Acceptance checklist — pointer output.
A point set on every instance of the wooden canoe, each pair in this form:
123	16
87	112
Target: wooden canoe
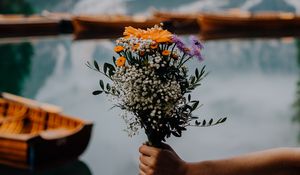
219	26
180	23
33	135
97	27
25	26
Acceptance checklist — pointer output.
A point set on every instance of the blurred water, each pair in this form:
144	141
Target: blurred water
252	82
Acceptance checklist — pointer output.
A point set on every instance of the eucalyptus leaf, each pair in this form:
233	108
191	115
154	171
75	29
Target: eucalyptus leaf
197	73
203	122
101	84
108	87
195	105
97	92
96	65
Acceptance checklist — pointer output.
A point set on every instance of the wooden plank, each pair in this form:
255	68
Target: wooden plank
13	144
31	103
12	151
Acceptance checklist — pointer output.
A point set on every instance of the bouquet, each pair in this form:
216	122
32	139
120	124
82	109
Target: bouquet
151	84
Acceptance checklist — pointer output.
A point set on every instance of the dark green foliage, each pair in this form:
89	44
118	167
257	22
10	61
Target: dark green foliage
14	66
15	7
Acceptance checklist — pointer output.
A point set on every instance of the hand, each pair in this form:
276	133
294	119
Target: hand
155	161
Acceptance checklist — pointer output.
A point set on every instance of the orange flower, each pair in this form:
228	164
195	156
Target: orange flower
153	45
156	34
120	61
174	56
160	35
118	49
142	53
130	31
135	46
166	53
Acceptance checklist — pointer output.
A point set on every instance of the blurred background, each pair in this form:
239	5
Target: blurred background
253	82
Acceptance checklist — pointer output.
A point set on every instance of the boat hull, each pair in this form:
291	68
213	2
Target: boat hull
222	26
33	136
102	27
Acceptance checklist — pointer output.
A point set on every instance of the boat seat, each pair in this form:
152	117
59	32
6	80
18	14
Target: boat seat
16	109
60	121
13	125
37	119
55	133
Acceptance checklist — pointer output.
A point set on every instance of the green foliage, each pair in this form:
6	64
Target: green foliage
15	7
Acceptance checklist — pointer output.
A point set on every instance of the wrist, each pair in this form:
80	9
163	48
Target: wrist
185	168
199	168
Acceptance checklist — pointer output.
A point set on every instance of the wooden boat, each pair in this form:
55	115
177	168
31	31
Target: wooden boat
180	23
24	26
92	27
247	25
34	135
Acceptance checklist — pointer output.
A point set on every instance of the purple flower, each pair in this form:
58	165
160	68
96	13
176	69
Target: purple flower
179	43
195	42
197	53
196	47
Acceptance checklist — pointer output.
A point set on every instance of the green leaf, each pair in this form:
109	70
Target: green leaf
111	68
176	134
223	120
192	78
88	63
197	73
101	84
114	60
203	123
105	68
195	105
202	71
97	92
96	65
194	117
108	87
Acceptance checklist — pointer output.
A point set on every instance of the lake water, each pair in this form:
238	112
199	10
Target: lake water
252	82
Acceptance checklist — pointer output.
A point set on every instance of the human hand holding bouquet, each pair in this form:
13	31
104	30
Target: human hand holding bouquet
150	82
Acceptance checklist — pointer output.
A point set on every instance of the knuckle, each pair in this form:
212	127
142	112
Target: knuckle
141	148
150	172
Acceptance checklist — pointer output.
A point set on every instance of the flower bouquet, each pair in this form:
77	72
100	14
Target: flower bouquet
151	84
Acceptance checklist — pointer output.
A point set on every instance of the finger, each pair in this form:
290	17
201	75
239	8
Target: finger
142	173
143	167
148	150
146	160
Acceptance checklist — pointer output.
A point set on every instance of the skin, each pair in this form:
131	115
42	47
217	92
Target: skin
165	161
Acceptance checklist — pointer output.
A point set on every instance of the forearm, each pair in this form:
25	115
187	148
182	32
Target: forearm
284	161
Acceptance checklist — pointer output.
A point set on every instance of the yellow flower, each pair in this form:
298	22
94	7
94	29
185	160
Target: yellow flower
166	53
120	61
118	49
